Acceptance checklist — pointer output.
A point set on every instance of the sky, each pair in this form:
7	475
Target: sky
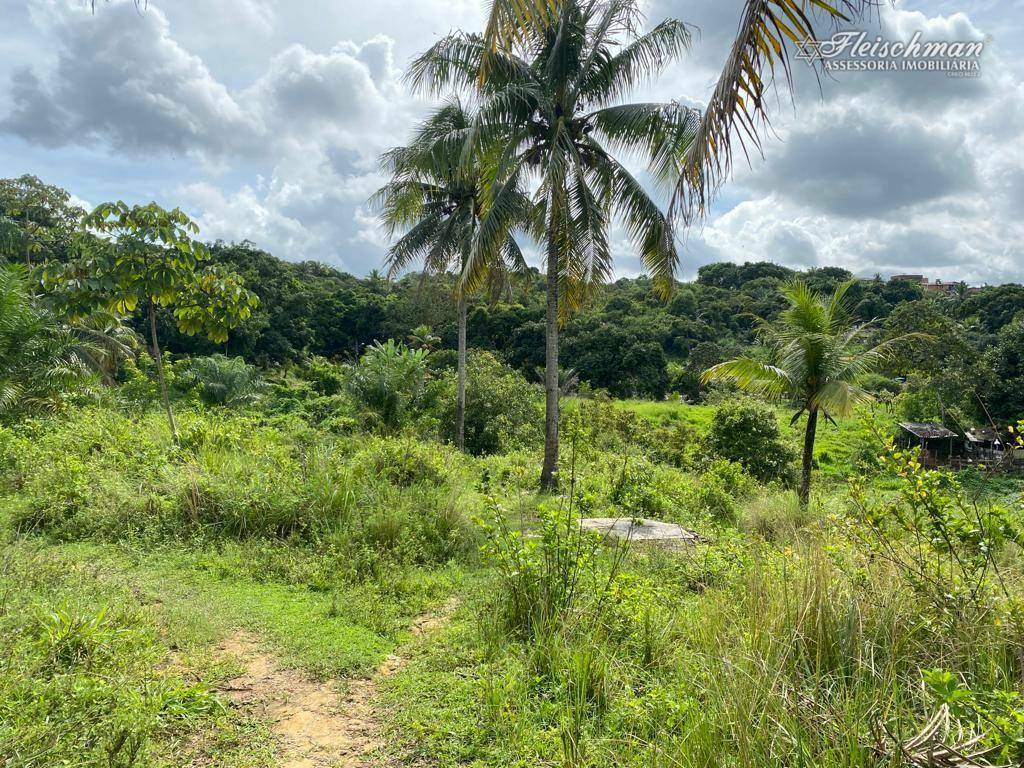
264	119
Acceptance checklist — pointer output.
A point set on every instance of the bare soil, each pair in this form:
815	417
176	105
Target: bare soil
318	724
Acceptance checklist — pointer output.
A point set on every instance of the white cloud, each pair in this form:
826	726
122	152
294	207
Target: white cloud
276	112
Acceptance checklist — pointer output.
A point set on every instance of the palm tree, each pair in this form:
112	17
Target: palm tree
817	354
550	117
737	107
41	358
439	200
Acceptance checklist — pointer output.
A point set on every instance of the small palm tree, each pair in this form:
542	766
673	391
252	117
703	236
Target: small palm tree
423	337
817	354
41	359
228	381
438	200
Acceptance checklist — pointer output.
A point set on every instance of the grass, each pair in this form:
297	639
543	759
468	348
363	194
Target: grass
86	680
784	637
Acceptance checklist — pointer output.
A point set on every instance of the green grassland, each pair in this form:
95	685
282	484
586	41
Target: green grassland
786	636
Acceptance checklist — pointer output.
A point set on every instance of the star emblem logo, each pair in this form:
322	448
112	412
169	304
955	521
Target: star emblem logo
810	51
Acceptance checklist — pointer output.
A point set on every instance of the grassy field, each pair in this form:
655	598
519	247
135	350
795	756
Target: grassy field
211	603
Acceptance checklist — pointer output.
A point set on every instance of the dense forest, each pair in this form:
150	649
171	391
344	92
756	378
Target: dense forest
627	339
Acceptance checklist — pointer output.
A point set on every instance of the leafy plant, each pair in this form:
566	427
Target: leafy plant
221	380
748	433
391	382
943	544
151	260
41	359
502	409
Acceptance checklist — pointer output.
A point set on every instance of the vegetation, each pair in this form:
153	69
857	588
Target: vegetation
319	539
816	357
550	115
441	202
152	261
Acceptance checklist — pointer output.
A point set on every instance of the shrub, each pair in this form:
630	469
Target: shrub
503	410
544	580
748	433
326	377
391	383
943	543
716	491
222	380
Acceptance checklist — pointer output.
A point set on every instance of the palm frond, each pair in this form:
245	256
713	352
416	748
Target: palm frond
750	375
737	109
643	59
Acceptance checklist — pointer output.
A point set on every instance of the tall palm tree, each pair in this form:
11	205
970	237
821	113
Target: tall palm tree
439	201
816	355
549	104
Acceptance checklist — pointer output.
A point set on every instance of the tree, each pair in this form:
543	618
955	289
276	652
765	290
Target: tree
41	360
1003	378
816	355
748	433
37	220
152	261
550	77
438	200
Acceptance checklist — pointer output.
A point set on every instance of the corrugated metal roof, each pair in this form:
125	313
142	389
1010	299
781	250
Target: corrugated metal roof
981	435
926	430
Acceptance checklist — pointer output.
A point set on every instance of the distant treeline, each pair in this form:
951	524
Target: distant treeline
627	340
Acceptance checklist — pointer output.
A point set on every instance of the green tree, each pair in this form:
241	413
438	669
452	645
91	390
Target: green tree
1003	378
551	77
748	434
37	220
438	201
816	355
41	360
151	260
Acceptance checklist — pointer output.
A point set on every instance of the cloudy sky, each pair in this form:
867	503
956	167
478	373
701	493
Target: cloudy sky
264	119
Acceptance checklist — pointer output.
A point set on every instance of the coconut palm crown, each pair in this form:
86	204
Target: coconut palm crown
816	355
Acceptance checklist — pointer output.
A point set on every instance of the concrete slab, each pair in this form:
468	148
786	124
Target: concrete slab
642	530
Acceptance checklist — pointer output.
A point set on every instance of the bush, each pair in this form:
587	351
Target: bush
503	410
748	433
221	380
717	489
391	383
103	475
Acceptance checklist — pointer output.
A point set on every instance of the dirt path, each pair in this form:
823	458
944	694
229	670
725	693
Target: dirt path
329	724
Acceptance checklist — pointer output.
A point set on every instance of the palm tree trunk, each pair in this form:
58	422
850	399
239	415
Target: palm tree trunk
160	370
808	457
460	396
548	474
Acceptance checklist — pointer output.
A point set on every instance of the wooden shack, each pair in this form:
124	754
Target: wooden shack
935	443
984	445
